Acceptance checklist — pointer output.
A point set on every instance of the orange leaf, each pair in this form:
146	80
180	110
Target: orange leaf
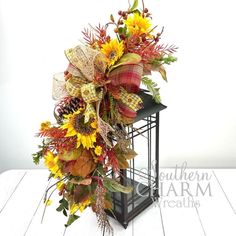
84	165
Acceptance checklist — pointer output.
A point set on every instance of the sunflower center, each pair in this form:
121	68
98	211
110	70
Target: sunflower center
81	127
112	55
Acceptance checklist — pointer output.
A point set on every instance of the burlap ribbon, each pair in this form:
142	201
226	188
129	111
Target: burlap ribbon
90	95
78	87
84	64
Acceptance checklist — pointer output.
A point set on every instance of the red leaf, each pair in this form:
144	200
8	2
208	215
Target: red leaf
113	161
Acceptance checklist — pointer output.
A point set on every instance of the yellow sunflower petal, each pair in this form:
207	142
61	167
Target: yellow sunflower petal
70	132
113	51
48	202
60	186
94	124
98	150
138	24
78	140
74	208
93	137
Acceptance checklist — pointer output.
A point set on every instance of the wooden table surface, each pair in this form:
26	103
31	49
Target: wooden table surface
187	207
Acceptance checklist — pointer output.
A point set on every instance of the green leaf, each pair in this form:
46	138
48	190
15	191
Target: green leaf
137	11
121	30
36	158
166	59
70	186
71	219
65	204
128	58
135	5
65	213
60	208
112	18
152	87
114	186
39	155
169	59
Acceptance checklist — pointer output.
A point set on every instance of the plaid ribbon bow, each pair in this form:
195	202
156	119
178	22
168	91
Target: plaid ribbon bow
132	100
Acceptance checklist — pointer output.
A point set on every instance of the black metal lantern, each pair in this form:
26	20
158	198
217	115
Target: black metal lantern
143	178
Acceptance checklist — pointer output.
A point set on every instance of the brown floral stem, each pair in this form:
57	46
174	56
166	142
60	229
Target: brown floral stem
143	5
45	197
44	210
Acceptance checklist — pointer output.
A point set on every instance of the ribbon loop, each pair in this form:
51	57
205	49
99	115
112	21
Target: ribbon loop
73	85
86	61
88	93
131	100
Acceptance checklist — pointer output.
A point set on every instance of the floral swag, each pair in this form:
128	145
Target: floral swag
97	100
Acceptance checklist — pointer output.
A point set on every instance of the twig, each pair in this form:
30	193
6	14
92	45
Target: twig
143	5
45	197
65	231
44	210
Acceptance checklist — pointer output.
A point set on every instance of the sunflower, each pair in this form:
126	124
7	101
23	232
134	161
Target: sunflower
51	161
137	24
85	132
79	206
113	51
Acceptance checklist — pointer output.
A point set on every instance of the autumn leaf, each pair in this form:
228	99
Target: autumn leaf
113	161
108	204
81	193
130	154
122	163
87	181
162	71
113	186
124	153
84	165
126	59
70	156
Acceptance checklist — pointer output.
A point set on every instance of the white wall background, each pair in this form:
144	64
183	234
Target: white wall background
199	125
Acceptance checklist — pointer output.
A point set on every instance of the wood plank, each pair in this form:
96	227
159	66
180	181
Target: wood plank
9	181
214	211
226	178
214	216
178	211
19	211
54	221
149	219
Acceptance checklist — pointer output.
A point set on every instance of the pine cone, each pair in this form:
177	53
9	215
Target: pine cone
66	107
